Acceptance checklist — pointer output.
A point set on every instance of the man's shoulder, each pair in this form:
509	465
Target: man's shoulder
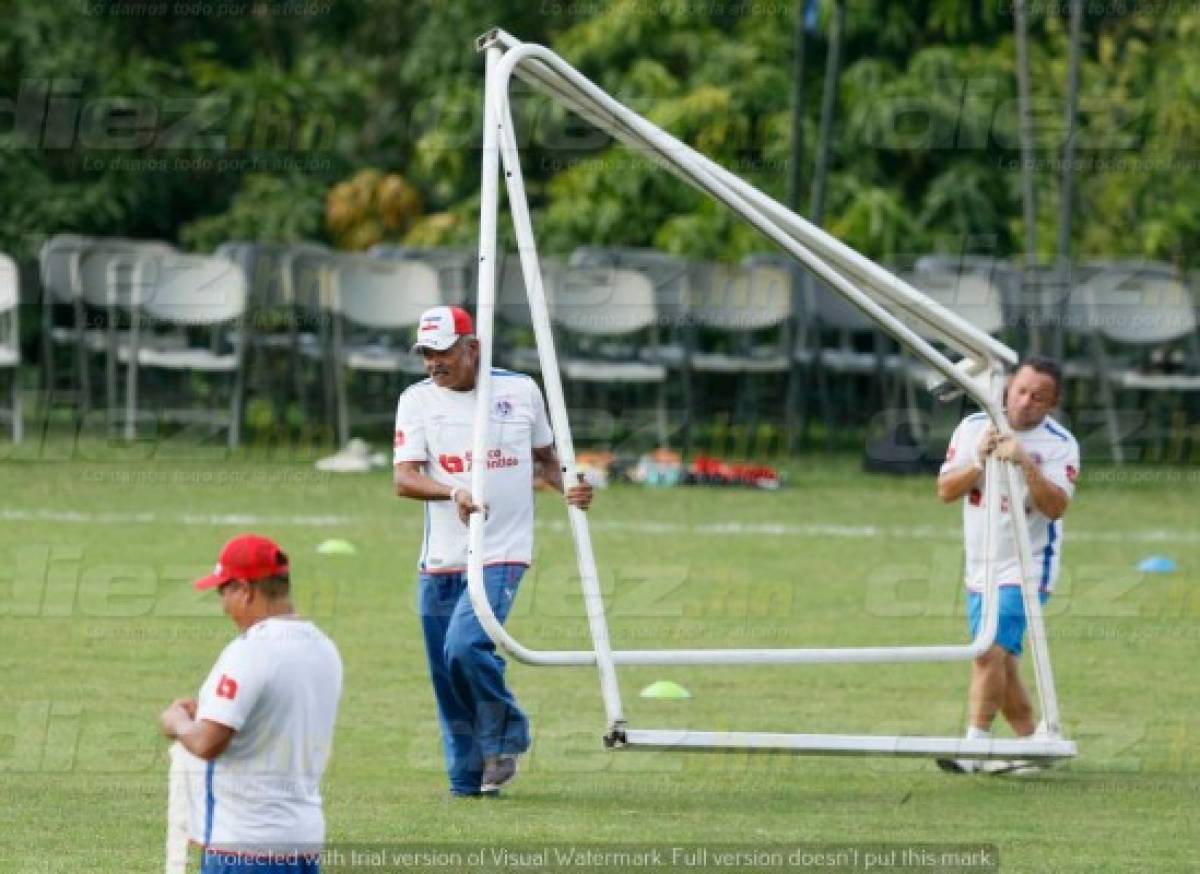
975	420
419	396
235	652
279	634
1056	430
510	380
501	373
417	388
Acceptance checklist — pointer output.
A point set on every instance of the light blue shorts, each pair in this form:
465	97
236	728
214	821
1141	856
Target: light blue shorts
1010	632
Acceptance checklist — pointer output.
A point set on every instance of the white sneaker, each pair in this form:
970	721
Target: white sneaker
1023	767
354	457
1020	768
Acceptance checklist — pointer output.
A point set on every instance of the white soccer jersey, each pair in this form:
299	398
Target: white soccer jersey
1057	455
434	425
277	685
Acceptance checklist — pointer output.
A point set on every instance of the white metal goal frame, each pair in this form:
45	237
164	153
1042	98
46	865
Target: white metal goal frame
910	316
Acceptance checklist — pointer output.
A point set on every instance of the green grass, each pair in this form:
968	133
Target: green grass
99	631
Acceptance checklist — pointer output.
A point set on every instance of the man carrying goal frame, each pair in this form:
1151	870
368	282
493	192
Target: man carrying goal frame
1049	459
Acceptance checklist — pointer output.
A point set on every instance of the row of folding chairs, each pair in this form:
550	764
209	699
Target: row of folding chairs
625	320
120	315
10	344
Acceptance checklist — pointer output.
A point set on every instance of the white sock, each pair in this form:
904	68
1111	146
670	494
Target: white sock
974	733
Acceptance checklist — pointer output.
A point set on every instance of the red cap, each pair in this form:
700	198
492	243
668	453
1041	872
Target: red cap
247	557
440	327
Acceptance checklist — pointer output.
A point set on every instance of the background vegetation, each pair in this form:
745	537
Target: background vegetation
357	122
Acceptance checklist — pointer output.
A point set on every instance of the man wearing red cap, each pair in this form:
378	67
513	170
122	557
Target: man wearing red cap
483	728
262	724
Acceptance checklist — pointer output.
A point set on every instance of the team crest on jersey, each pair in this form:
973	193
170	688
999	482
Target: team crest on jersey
502	408
227	687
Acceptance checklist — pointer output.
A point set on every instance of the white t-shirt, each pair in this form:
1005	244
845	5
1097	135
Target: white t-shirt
434	425
1057	456
277	685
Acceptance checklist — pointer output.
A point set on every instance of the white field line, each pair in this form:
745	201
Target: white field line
717	529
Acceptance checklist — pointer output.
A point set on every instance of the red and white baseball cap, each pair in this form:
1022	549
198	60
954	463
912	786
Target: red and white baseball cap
247	557
440	327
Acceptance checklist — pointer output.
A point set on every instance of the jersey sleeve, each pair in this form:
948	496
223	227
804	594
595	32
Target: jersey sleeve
1062	466
409	443
963	449
234	686
542	435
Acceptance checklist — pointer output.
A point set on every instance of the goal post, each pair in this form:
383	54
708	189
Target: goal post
898	308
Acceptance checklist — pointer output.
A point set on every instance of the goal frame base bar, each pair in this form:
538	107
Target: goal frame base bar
1041	749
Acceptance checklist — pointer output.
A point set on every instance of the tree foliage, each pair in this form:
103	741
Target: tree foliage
360	122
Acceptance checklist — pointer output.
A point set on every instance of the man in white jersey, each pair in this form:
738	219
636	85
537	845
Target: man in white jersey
1049	459
262	725
483	729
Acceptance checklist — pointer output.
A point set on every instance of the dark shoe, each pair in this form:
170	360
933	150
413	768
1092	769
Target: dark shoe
958	766
498	772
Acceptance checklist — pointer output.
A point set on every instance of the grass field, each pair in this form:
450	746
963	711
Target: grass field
100	630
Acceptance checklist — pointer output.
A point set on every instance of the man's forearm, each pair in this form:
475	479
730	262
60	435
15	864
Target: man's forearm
953	484
186	732
551	470
1049	499
200	738
413	484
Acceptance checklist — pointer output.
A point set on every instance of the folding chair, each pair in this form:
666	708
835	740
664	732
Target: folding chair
455	267
10	340
669	275
740	332
105	279
306	279
187	296
847	354
273	358
58	262
514	336
970	295
376	304
1140	321
607	319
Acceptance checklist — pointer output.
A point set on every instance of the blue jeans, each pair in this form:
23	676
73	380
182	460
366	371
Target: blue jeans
229	863
479	716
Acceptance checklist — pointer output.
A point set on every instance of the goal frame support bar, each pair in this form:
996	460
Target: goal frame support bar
1032	749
